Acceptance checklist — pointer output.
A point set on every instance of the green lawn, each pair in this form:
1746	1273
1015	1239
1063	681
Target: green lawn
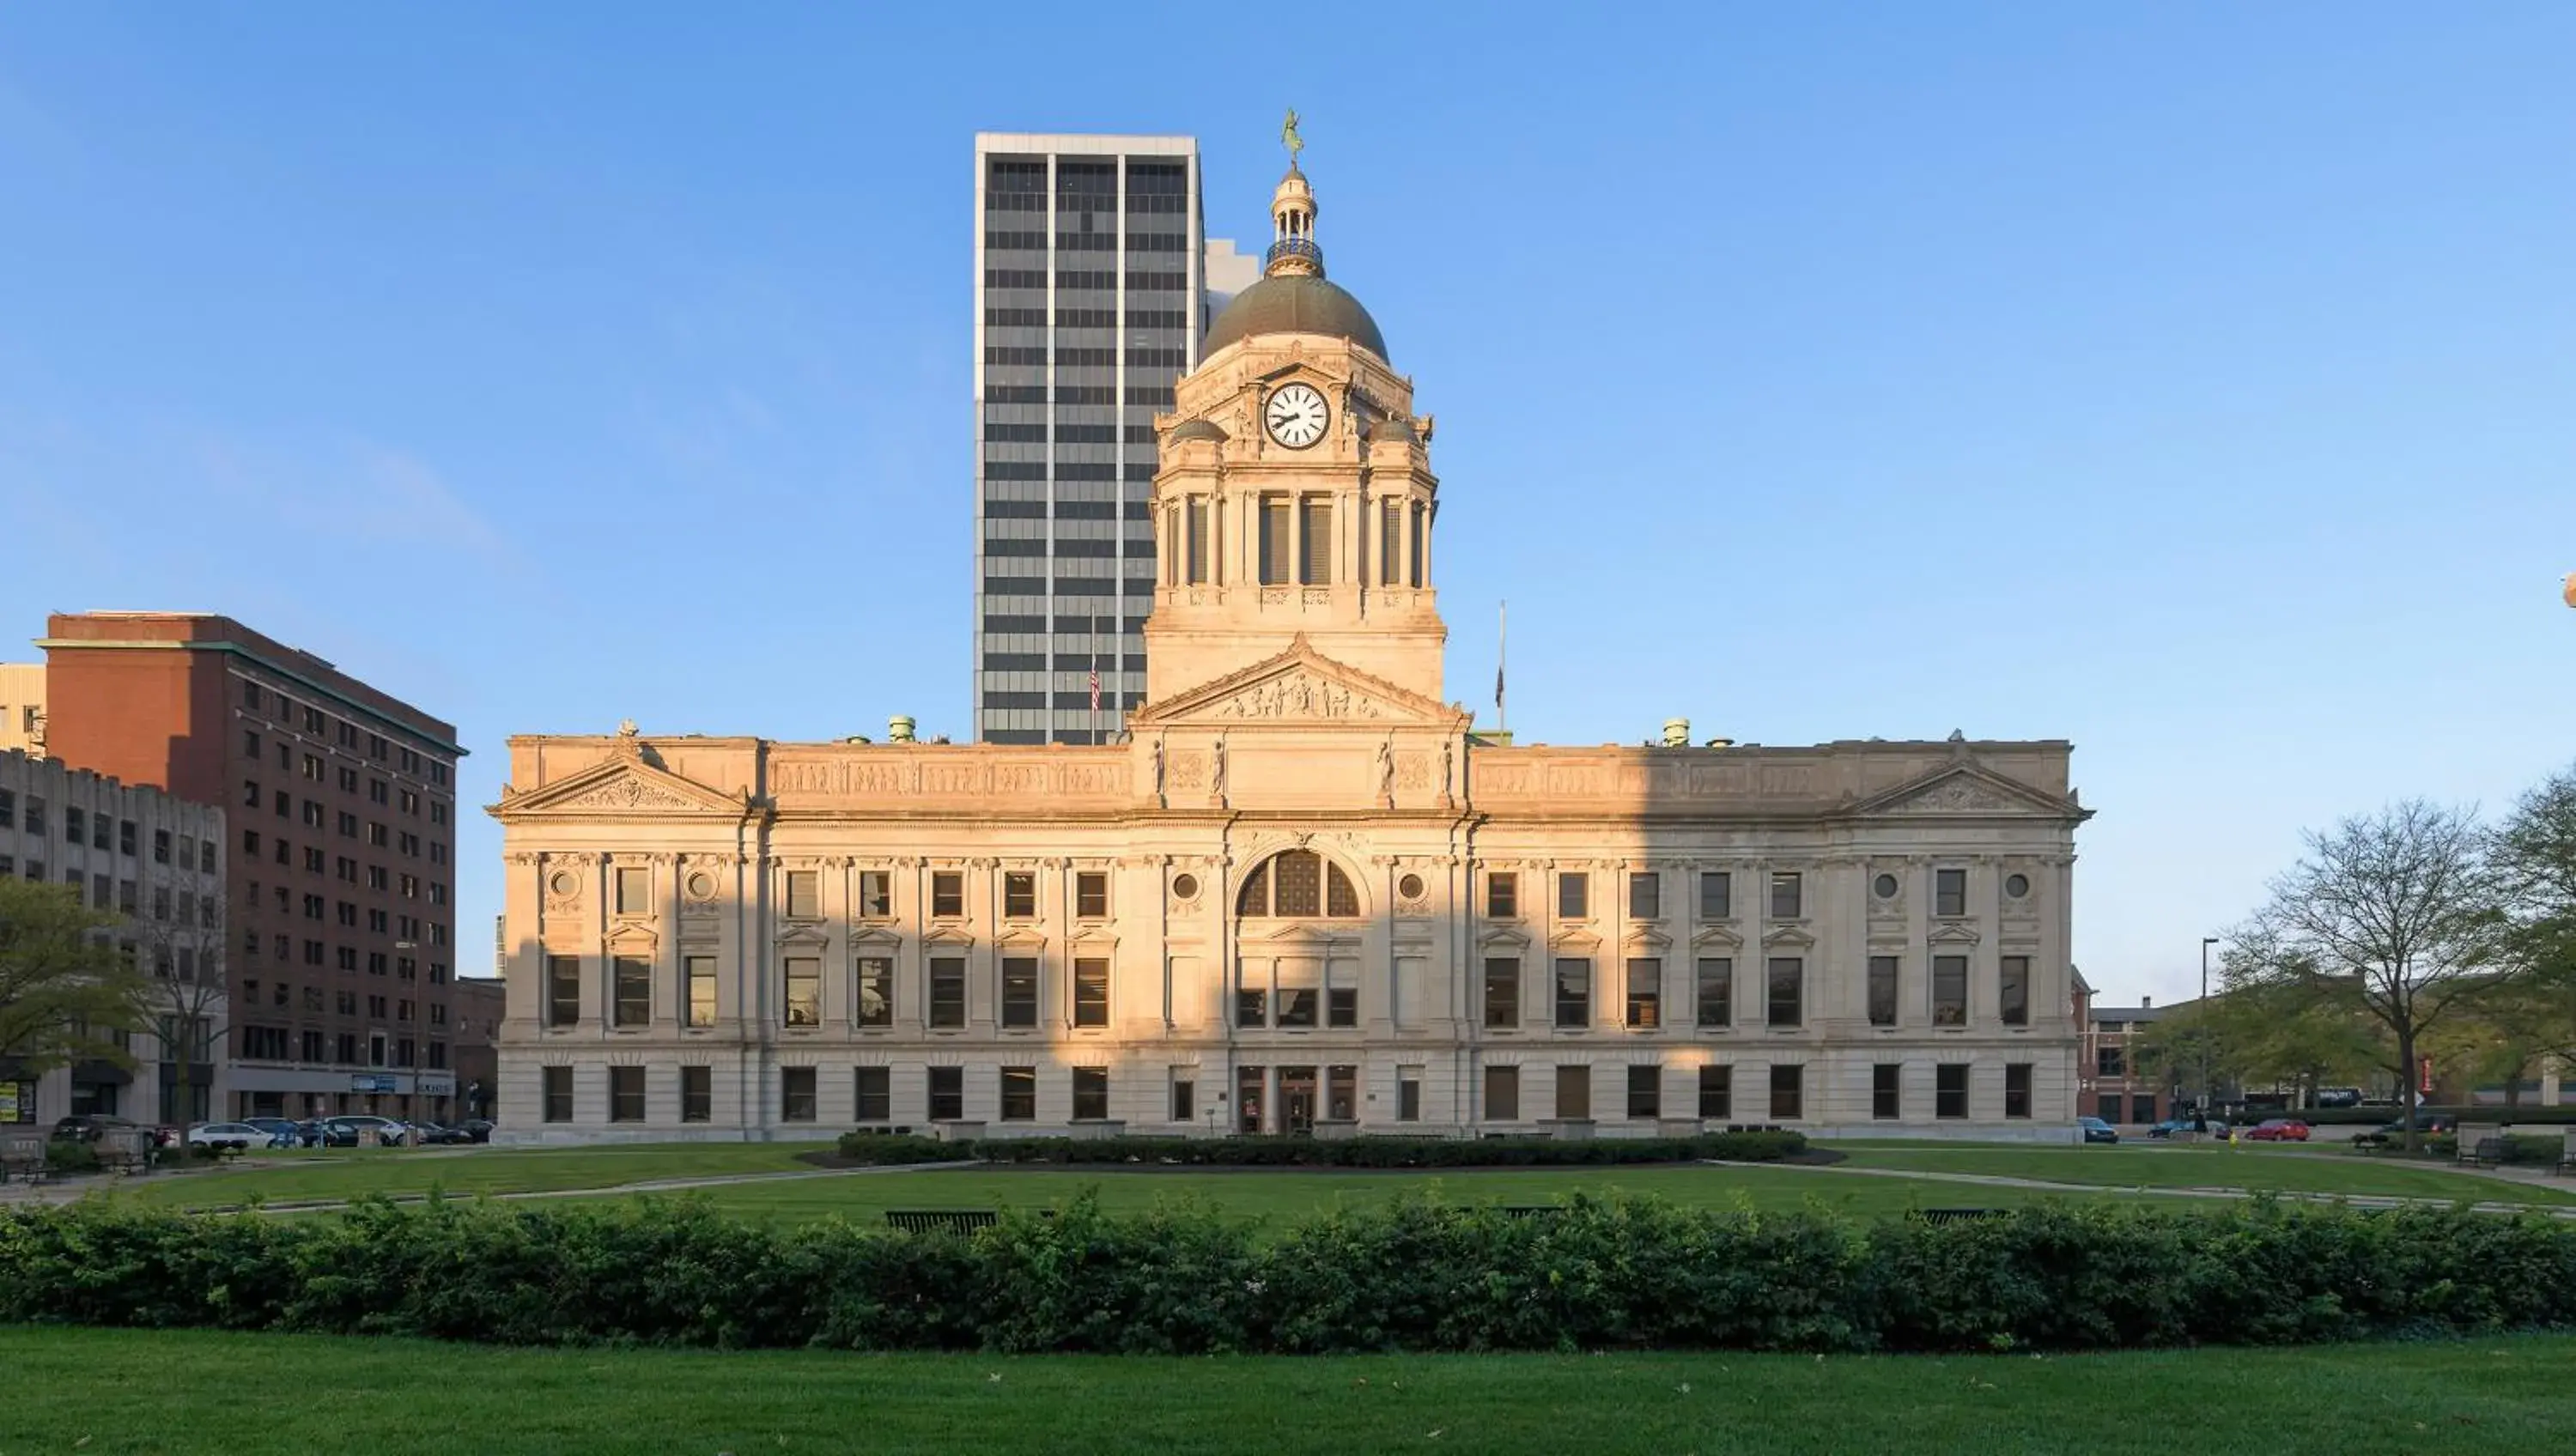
345	1174
111	1392
2282	1169
1291	1194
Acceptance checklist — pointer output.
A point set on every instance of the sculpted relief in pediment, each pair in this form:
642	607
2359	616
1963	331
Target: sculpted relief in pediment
1300	693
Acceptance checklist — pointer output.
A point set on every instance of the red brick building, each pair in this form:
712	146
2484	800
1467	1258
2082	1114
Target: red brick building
340	883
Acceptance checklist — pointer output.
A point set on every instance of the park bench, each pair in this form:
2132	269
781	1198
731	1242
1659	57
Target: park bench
128	1149
1958	1215
947	1220
2567	1154
2481	1144
1529	1210
22	1155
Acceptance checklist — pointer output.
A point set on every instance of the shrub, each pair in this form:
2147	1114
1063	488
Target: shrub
69	1155
1368	1152
1414	1275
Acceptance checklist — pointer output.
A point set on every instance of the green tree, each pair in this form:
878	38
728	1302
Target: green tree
64	988
2534	855
2271	1031
2396	913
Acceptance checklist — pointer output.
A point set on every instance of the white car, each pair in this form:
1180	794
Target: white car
237	1136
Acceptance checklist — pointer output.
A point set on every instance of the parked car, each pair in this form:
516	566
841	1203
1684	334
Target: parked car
2097	1131
2425	1122
237	1137
85	1127
2169	1127
477	1128
286	1130
2279	1130
343	1131
431	1134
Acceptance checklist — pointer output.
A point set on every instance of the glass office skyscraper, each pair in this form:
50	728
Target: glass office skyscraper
1093	286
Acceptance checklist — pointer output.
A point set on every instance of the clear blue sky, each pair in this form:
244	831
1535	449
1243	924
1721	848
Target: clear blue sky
2192	382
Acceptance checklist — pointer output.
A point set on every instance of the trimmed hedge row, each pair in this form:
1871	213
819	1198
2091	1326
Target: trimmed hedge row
2530	1113
1367	1152
1416	1275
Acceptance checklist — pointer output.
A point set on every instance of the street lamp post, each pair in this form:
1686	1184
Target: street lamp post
2206	942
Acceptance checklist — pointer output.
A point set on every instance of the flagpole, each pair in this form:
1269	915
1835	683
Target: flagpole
1502	654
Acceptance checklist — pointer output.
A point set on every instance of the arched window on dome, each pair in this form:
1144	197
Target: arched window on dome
1298	884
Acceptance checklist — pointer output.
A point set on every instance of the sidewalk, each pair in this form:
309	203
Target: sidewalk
2356	1200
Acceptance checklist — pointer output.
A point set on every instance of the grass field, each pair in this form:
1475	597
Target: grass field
865	1195
112	1392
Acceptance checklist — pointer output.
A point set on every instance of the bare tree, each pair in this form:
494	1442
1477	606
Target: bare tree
180	993
2396	913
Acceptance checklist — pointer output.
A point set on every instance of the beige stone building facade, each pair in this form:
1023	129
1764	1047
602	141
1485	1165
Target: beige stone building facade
1304	895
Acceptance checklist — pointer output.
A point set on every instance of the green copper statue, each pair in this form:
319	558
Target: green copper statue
1288	137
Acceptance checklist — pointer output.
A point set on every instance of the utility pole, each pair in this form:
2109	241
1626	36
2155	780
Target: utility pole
2206	942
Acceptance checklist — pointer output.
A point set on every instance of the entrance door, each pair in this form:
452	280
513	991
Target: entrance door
1296	1100
1247	1099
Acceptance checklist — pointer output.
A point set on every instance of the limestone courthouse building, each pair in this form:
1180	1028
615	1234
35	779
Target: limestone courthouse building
1303	894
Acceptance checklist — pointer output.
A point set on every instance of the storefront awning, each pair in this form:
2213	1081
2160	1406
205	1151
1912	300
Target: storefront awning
101	1071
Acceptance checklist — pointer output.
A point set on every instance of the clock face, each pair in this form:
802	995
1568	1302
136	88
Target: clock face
1296	416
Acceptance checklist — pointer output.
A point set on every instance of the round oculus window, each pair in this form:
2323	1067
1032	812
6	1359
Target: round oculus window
1185	887
564	883
702	886
2016	885
1885	887
1410	887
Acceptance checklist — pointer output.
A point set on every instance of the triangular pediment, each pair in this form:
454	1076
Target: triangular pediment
804	935
1299	686
1503	937
1968	789
1717	937
1647	938
624	787
631	935
1953	932
1787	935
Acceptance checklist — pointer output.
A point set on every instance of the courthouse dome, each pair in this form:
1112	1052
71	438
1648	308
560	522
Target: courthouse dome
1295	303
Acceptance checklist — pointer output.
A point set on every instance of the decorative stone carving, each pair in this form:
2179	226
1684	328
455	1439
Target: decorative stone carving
629	794
1958	796
1300	694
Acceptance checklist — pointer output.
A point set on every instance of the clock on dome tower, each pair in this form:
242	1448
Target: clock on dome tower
1295	498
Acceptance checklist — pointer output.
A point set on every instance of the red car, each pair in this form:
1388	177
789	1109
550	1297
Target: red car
2278	1130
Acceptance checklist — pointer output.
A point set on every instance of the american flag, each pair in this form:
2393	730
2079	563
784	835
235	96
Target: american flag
1095	687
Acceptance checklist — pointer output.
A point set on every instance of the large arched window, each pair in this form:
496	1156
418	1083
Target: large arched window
1298	885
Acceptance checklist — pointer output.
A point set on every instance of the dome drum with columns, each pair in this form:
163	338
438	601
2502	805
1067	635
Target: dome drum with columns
1304	896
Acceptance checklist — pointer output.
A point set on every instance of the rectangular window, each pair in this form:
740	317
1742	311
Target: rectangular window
2017	1093
634	884
2106	1105
1645	896
1716	990
1019	991
1502	1094
2109	1061
947	894
1949	990
876	894
1251	1006
1090	1094
1502	992
1194	565
1787	998
701	971
1573	896
1645	1092
1503	896
1408	1098
1717	1092
1574	1094
1885	1081
1788	1087
626	1094
1882	990
558	1092
1646	993
1315	541
634	983
1949	893
1185	1096
874	1096
160	837
1573	992
1788	895
1091	992
804	991
1020	894
2012	992
1341	1006
804	895
1091	895
563	990
1950	1090
1019	1094
1274	540
796	1094
947	1093
697	1094
872	998
1390	542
